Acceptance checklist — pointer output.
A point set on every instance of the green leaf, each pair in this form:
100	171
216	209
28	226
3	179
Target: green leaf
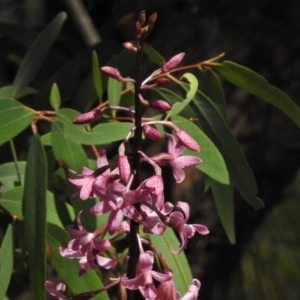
114	88
224	200
46	139
210	85
34	210
178	263
8	175
65	149
153	55
101	134
55	99
14	118
258	86
12	202
6	261
6	91
213	163
217	129
179	106
67	269
36	54
97	76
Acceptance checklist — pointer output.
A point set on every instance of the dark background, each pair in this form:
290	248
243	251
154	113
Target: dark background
262	35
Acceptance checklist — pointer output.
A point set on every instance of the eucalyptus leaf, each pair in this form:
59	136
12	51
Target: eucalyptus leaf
178	263
9	177
34	211
6	261
55	99
36	54
258	86
193	86
14	118
97	75
6	91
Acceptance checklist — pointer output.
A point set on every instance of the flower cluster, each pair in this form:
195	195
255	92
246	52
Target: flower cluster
125	202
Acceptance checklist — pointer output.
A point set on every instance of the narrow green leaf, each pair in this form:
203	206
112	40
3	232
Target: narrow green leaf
46	139
224	200
34	210
114	89
217	129
36	54
55	99
65	149
6	91
14	118
210	85
193	86
8	175
6	261
97	76
12	202
258	86
213	163
101	134
153	55
178	263
67	269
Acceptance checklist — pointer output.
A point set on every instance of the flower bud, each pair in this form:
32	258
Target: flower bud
142	17
88	117
124	168
112	72
162	82
152	133
187	140
129	46
172	63
160	104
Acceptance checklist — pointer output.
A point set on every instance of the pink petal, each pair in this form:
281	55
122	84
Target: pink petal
114	220
178	173
201	228
187	161
106	262
161	277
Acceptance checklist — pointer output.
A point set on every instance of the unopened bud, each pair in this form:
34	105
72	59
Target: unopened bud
152	20
138	30
152	133
112	72
162	82
124	168
142	17
160	104
129	46
172	63
88	117
187	140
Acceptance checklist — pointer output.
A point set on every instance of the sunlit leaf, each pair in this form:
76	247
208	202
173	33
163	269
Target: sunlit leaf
8	175
12	202
213	163
34	211
14	118
193	86
67	269
55	99
36	54
97	76
178	263
6	261
258	86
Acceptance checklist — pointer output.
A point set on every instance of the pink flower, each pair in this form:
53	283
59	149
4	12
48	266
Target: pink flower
56	290
193	291
87	247
173	158
178	219
144	280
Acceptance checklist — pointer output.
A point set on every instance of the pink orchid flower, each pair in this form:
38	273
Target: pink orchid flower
144	280
173	158
56	290
178	220
193	291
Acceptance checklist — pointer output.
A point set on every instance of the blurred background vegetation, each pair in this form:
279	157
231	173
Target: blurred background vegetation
262	35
